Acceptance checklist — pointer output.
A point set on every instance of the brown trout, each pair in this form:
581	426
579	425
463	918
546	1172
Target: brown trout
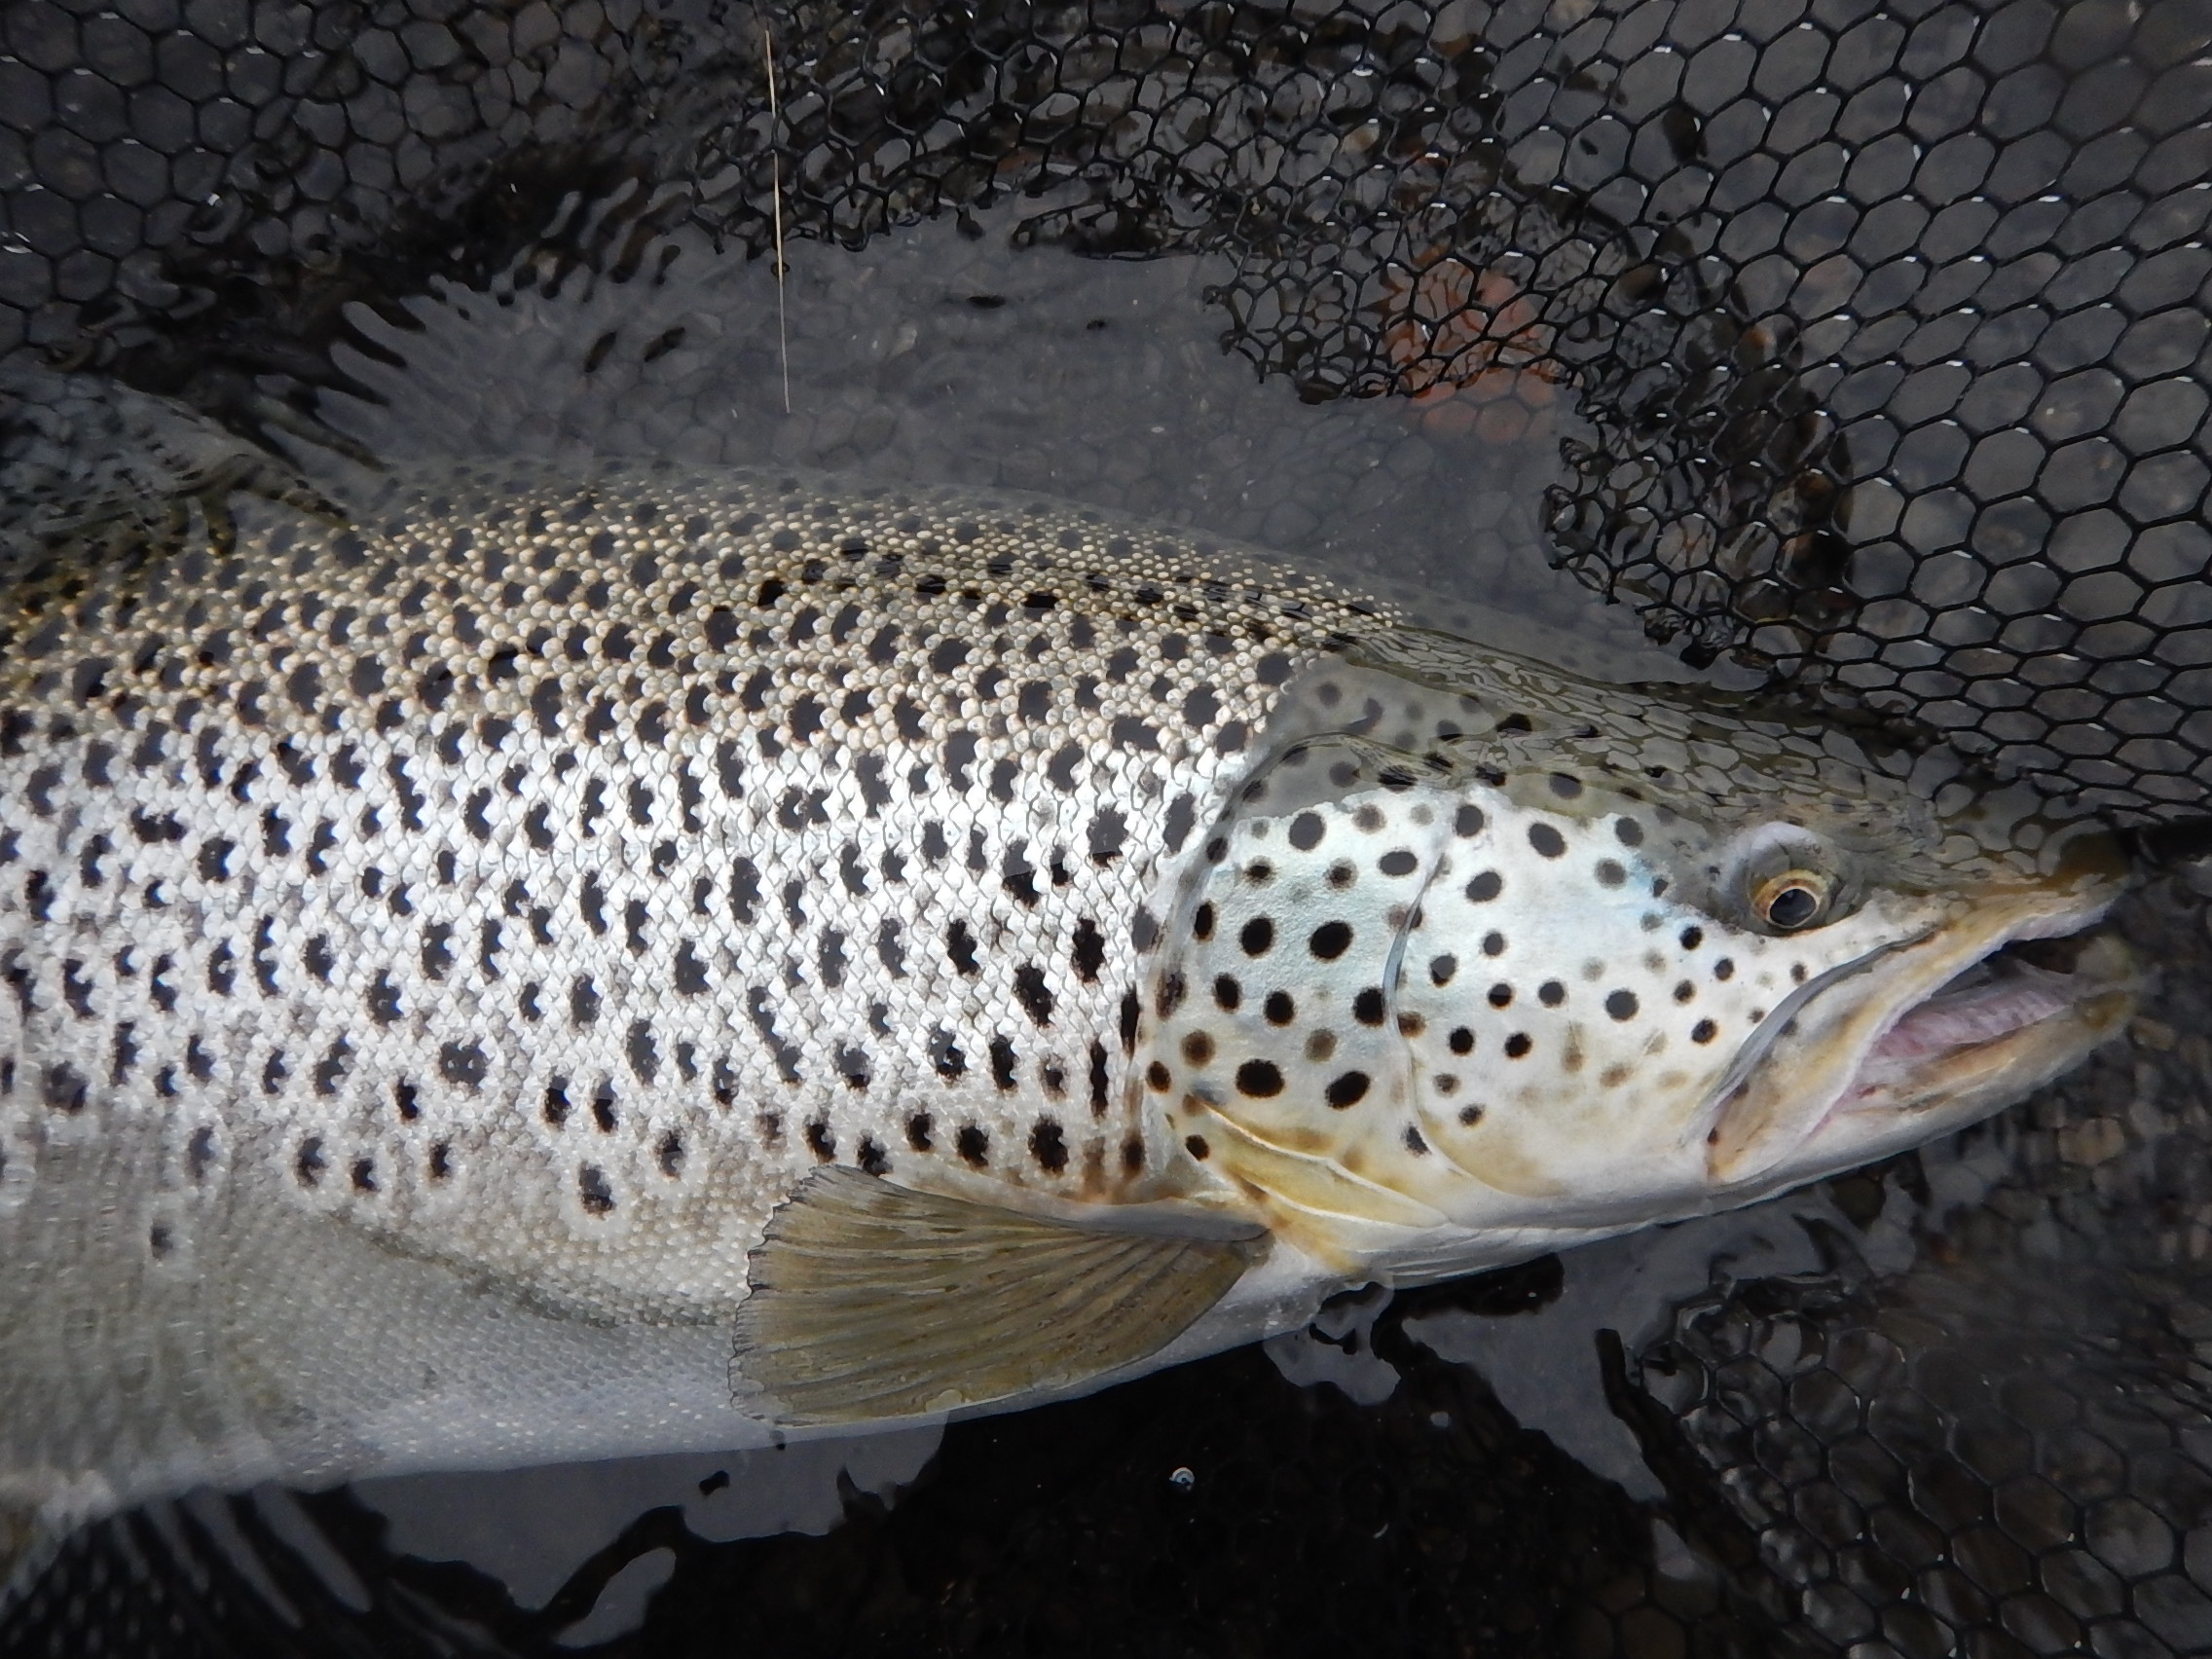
554	967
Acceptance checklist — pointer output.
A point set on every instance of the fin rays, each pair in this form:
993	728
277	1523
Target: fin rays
871	1301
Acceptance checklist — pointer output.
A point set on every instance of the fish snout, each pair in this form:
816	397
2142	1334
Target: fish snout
1925	1037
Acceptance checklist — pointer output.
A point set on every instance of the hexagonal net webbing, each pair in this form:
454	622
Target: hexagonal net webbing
1871	337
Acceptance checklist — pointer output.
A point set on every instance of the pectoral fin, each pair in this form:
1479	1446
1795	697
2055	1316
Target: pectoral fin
871	1302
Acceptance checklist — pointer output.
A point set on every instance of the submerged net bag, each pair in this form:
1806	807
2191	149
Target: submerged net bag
1884	324
1872	338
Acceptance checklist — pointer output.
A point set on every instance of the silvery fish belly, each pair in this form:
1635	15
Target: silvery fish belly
563	966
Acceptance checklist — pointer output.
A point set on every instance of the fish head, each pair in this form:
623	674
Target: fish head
1448	984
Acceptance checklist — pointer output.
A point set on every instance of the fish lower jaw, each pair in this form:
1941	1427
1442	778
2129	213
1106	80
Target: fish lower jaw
2015	1019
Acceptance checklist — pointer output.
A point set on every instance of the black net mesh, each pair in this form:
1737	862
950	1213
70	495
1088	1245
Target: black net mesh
1883	324
1871	336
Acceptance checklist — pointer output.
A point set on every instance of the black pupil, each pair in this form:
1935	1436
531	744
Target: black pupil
1793	907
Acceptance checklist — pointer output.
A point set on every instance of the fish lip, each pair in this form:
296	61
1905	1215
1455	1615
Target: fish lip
2097	981
1746	1138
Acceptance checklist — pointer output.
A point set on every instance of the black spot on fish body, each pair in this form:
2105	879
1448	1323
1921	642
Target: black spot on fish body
1087	950
383	1001
744	889
690	972
602	1113
583	1002
1018	877
593	1190
945	1055
437	952
76	991
972	1144
1130	732
1048	1145
152	831
124	1054
65	1088
463	1064
1182	819
640	1050
1033	993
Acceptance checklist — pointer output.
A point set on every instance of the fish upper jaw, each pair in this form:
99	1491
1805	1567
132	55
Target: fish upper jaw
1920	1036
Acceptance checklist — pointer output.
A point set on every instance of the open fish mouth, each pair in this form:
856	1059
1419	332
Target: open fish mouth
2020	986
1953	1024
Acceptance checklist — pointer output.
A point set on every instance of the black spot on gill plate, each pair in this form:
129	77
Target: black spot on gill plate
1260	1079
1347	1088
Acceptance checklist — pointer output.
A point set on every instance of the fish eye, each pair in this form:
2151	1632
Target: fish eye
1793	899
1782	878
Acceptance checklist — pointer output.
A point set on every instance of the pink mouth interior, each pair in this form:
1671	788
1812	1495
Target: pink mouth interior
1991	999
1952	1021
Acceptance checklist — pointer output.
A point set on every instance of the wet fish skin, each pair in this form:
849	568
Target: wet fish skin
705	866
519	894
540	880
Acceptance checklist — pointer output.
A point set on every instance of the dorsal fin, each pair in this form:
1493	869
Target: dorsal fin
871	1302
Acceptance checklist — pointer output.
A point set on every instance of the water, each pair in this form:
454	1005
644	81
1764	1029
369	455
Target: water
1962	1403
